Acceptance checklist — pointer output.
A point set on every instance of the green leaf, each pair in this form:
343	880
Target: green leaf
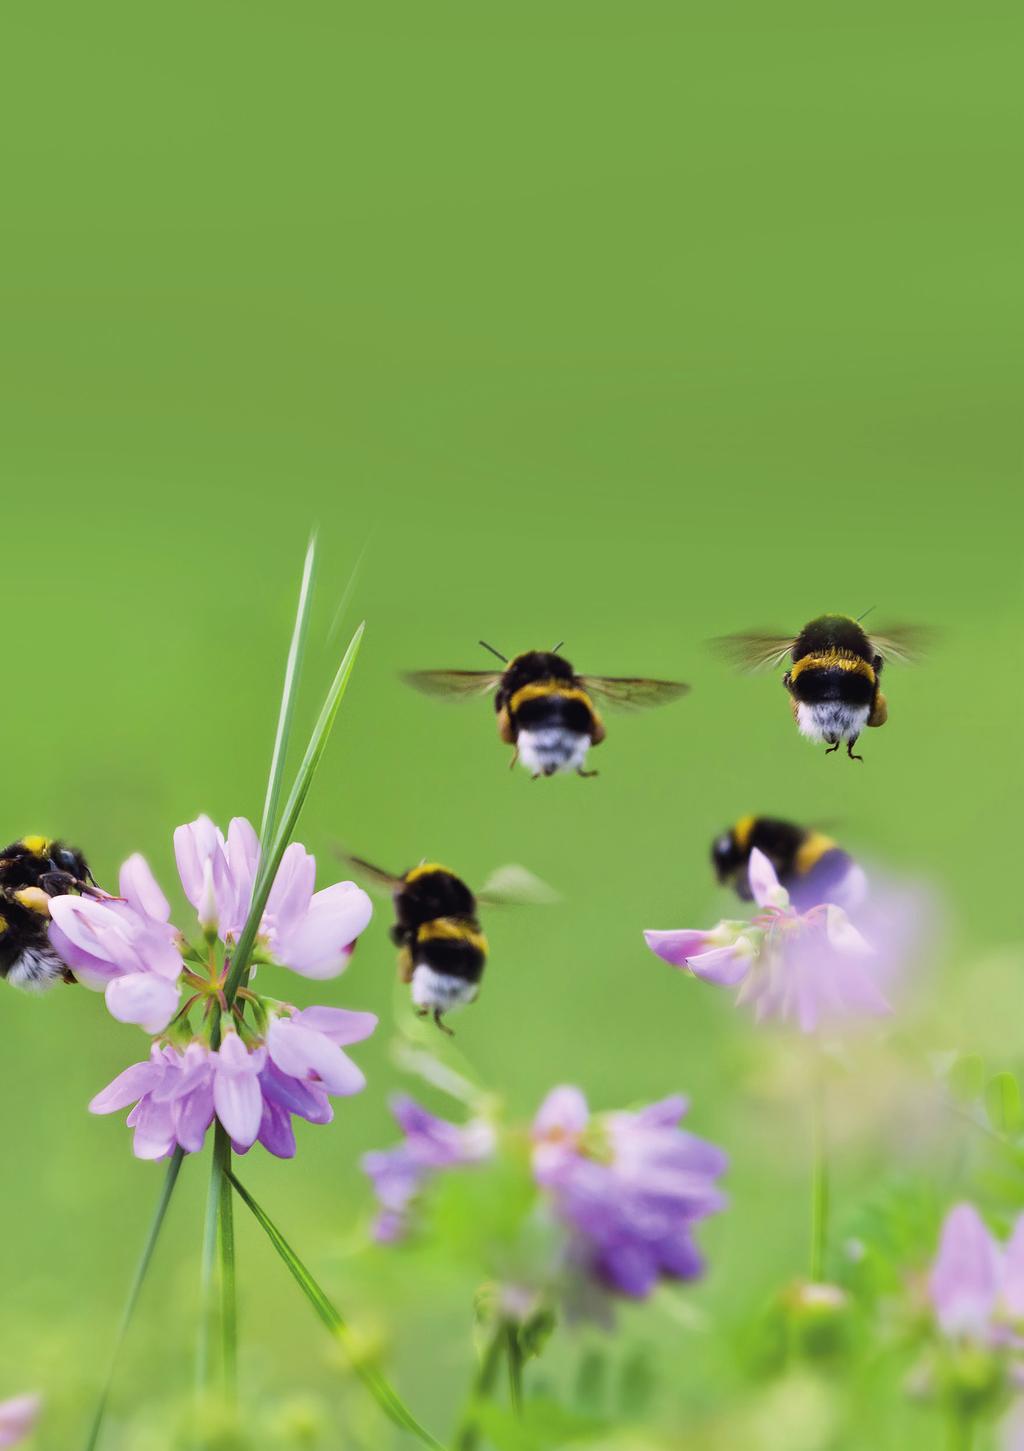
288	695
242	955
379	1387
545	1426
967	1076
156	1224
1003	1103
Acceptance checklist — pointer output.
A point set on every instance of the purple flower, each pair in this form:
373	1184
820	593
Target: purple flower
18	1417
313	933
252	1089
125	948
976	1285
628	1187
430	1145
812	967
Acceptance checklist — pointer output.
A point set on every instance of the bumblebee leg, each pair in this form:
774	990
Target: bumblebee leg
850	751
833	747
443	1026
423	1012
586	774
515	758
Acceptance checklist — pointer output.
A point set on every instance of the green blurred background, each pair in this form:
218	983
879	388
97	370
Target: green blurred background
631	324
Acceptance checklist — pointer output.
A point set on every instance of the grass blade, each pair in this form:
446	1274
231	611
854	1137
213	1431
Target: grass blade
383	1393
296	650
242	955
156	1224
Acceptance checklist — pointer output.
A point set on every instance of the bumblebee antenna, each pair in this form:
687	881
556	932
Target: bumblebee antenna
556	648
501	657
864	615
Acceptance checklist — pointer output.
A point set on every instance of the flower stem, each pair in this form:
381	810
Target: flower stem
156	1224
961	1431
379	1387
515	1367
228	1300
467	1438
819	1188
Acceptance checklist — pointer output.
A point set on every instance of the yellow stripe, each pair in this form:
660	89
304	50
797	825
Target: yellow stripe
742	831
425	869
37	845
811	852
452	929
833	660
541	688
3	925
35	899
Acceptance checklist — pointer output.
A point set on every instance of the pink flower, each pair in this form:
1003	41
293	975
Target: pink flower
252	1089
313	933
18	1417
124	948
812	967
976	1285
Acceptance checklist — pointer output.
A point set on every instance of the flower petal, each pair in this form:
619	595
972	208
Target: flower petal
303	1053
18	1417
564	1111
764	884
964	1282
128	1087
676	947
723	966
143	998
138	886
339	1024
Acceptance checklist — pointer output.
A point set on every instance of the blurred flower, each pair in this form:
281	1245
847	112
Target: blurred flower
253	1088
976	1285
18	1417
124	947
811	967
430	1145
313	933
629	1187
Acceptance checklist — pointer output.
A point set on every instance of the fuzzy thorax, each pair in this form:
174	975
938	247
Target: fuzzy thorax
35	969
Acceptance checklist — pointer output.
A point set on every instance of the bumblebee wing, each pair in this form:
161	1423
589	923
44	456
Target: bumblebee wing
906	644
515	886
374	876
632	692
453	684
753	650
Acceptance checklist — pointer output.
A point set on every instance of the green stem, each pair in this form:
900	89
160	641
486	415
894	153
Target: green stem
515	1367
296	650
819	1189
156	1224
467	1438
208	1274
379	1387
228	1298
961	1431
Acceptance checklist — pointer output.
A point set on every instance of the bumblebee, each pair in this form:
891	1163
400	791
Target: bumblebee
833	680
811	866
32	871
545	710
442	950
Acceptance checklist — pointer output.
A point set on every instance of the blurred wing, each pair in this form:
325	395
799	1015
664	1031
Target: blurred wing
453	684
754	650
374	876
906	644
514	886
632	693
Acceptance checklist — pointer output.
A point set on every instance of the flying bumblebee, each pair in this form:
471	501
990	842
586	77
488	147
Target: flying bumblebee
32	871
834	674
545	710
811	866
442	950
